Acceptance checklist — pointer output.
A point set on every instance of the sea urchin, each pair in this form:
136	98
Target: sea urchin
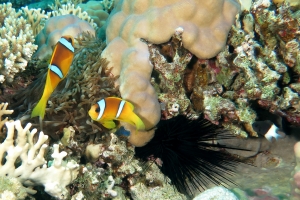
186	152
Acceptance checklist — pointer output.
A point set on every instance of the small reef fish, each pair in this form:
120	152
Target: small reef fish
112	108
59	66
268	129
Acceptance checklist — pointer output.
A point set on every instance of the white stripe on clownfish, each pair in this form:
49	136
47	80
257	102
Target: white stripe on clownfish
56	70
121	106
67	44
102	106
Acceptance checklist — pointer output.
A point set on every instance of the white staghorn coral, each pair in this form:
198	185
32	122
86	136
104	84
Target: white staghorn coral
3	111
33	170
16	41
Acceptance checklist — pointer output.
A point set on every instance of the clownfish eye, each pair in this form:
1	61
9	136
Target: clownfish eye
69	40
97	109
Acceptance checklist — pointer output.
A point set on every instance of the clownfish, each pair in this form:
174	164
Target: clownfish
59	66
112	108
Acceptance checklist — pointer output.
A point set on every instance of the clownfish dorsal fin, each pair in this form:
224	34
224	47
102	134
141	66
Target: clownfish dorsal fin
130	105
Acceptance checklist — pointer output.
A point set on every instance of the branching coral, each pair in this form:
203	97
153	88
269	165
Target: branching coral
35	17
16	42
70	9
58	3
4	111
24	160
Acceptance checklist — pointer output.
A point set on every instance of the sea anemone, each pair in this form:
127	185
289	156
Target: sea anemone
186	152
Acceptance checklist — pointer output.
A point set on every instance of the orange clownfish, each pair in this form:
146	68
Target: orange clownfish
113	108
59	66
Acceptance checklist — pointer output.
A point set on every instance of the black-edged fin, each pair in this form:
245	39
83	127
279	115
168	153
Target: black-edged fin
262	127
267	129
67	42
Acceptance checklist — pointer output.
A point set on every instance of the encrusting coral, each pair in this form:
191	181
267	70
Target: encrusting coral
16	42
171	73
23	158
258	69
156	22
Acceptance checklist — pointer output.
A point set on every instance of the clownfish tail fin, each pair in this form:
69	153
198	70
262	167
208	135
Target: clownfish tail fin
138	122
39	109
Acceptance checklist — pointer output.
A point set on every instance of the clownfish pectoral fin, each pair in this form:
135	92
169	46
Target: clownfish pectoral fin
109	124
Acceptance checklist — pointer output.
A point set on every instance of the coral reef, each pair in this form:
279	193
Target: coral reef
170	79
110	168
156	22
294	4
24	160
4	111
127	173
258	69
88	80
164	60
16	42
